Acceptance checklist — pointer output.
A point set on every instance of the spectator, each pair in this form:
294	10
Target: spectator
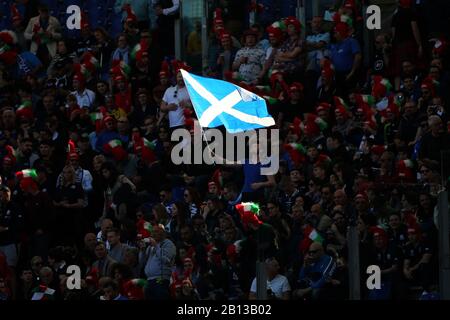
158	259
104	262
174	100
407	43
316	43
278	287
288	57
249	60
116	248
43	31
346	56
434	141
111	290
317	270
122	53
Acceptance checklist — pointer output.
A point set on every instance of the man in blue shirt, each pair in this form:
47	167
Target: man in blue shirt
317	270
346	56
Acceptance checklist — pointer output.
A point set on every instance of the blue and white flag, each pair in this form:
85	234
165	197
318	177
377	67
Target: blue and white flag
217	102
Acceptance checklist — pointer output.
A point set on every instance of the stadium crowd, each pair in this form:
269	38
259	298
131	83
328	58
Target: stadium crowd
87	178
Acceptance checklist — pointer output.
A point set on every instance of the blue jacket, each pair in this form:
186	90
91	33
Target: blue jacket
318	273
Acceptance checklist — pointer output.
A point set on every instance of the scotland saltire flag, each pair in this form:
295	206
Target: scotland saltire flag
218	102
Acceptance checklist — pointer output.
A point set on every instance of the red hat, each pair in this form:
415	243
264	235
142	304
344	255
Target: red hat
225	35
108	118
15	14
115	148
25	110
294	21
381	87
165	69
134	289
379	232
248	212
314	124
323	106
119	78
74	155
79	77
27	179
430	84
342	28
414	229
177	65
9	160
363	196
274	32
8	37
405	169
340	110
439	47
350	4
378	149
131	16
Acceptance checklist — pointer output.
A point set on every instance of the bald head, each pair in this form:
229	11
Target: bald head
315	251
107	225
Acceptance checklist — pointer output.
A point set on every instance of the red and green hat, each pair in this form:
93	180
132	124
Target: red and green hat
115	148
249	213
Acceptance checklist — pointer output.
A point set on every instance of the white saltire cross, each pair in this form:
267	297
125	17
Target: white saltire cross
225	105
